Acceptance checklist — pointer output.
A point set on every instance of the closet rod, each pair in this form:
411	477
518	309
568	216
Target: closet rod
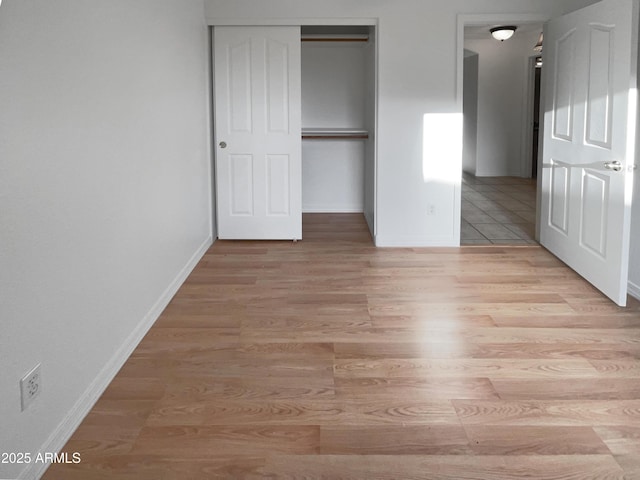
334	133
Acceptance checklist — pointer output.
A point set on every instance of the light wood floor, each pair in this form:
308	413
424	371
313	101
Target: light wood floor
329	358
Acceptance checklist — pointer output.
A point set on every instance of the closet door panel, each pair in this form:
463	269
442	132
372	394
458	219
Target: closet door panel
257	131
239	108
277	87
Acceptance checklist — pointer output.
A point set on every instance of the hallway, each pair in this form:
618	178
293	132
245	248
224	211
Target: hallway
498	211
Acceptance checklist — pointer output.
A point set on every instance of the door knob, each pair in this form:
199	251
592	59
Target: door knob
616	166
223	144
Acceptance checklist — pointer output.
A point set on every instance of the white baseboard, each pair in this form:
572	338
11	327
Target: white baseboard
63	432
633	290
416	242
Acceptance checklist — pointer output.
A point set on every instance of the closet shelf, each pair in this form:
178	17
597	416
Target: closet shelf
334	133
334	38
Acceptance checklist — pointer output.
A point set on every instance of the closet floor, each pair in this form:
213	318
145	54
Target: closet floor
498	210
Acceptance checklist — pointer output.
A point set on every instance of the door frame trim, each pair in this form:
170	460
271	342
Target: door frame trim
294	21
315	21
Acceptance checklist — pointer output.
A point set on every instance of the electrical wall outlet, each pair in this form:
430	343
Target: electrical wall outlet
431	209
30	386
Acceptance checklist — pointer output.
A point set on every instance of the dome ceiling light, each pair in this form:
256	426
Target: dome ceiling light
503	33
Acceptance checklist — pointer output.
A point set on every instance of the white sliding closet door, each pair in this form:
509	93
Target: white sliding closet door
258	132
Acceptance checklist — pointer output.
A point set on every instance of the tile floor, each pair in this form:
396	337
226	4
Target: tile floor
498	210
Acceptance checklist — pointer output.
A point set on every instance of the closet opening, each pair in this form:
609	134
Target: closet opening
338	132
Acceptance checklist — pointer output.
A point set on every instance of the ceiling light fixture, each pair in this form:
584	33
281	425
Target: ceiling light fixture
503	33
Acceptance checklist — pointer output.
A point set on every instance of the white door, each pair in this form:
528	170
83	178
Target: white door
590	59
258	132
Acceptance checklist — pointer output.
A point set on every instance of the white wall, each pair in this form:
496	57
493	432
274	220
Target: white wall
470	112
333	84
502	90
332	176
104	194
417	81
333	96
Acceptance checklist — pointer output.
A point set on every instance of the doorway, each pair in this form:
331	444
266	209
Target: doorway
499	103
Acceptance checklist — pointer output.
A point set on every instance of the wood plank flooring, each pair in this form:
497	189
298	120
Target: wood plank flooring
329	358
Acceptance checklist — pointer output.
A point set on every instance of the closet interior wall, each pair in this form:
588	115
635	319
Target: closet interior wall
338	108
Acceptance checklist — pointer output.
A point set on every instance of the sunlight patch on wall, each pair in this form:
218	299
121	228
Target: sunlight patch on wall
442	148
